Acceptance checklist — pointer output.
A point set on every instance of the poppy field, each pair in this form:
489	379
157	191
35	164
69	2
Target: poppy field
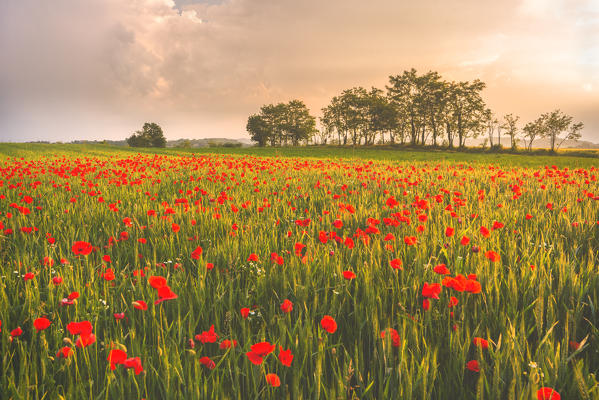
139	275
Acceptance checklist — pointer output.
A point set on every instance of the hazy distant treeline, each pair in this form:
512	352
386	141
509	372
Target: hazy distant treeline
415	109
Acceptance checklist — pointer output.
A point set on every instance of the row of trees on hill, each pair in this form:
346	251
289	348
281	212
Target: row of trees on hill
415	109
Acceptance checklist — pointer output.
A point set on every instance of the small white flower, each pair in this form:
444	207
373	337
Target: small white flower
533	364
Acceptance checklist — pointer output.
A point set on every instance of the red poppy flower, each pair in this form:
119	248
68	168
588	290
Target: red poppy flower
273	380
480	342
433	290
208	336
134	363
106	258
349	243
165	293
328	323
207	362
41	323
453	301
254	358
395	340
465	240
118	316
116	356
85	340
484	231
28	276
225	344
80	328
449	231
441	269
81	248
16	332
73	295
472	365
547	393
299	247
140	305
349	275
157	282
426	304
286	306
64	352
244	312
410	240
196	253
253	257
396	264
285	356
491	255
262	348
108	275
338	224
57	280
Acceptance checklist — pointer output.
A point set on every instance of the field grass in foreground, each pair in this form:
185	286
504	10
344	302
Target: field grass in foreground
401	274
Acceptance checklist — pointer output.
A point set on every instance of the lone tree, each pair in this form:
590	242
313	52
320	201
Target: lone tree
150	135
510	124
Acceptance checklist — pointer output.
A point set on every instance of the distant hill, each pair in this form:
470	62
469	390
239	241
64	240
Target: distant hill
568	144
193	143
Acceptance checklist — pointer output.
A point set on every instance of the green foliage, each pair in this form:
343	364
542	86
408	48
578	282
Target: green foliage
150	135
282	124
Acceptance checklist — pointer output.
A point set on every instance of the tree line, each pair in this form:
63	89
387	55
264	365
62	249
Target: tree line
413	109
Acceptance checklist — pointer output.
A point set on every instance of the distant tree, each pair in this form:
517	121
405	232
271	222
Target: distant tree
403	91
281	124
258	129
532	130
298	123
556	123
150	135
510	125
572	134
185	144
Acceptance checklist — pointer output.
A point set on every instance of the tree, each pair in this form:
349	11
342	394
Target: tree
532	130
282	123
258	129
573	133
150	135
403	91
555	123
299	124
511	128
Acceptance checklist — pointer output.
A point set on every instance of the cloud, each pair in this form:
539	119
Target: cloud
100	68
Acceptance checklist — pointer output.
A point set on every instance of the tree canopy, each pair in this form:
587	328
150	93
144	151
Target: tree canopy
419	109
282	124
150	135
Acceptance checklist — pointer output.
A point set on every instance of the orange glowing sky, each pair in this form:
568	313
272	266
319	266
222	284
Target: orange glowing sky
98	69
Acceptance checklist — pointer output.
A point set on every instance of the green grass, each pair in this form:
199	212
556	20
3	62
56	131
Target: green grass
529	316
34	150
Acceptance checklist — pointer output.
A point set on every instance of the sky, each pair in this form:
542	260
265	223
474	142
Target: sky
99	69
